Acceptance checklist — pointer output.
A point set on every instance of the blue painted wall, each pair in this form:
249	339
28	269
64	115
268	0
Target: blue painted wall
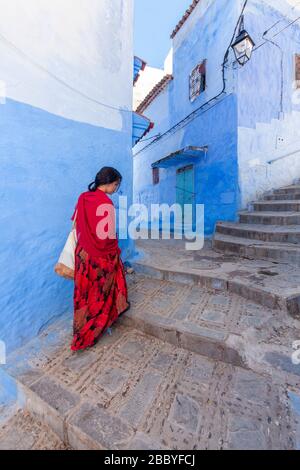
204	36
47	161
216	175
243	131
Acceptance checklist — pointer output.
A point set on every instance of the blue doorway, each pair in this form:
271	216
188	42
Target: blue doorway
185	188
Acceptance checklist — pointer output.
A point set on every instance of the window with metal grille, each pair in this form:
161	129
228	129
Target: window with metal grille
155	174
297	70
198	80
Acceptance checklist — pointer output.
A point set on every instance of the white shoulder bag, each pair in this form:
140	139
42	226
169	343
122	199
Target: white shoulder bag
66	263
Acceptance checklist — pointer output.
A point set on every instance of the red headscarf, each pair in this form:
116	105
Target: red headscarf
92	208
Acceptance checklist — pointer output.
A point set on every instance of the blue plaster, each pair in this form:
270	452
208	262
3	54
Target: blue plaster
10	395
216	175
8	389
295	405
47	161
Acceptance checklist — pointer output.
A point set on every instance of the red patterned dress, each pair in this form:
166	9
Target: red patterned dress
100	289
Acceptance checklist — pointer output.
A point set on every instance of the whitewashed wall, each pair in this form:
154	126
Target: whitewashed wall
266	132
147	80
85	43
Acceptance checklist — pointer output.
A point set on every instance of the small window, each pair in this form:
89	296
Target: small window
155	174
297	70
198	80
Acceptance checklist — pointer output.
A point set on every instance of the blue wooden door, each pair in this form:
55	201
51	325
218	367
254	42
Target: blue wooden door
185	186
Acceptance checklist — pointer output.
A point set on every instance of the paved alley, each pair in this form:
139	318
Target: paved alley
186	368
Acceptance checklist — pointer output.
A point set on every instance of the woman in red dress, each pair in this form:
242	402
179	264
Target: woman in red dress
100	289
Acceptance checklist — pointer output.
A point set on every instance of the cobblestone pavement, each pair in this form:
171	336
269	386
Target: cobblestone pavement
23	432
146	386
216	324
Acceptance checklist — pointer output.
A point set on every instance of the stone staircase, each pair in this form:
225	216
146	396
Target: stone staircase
269	231
186	368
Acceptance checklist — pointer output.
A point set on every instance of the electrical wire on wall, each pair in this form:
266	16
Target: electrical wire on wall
270	41
281	20
277	34
266	40
194	113
225	66
22	54
281	69
153	137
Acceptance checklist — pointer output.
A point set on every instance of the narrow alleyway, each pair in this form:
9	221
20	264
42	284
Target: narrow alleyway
208	356
187	368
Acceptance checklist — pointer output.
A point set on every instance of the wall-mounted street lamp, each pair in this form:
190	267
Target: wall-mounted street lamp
243	45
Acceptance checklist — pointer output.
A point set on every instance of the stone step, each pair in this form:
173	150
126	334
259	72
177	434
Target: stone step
279	252
25	432
270	218
270	284
295	188
277	206
143	391
101	399
266	233
282	197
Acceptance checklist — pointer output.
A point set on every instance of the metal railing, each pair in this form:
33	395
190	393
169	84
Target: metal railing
270	162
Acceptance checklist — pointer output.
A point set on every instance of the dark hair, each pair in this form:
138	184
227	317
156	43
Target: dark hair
106	175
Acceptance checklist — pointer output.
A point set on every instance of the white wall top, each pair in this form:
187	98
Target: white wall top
147	80
55	53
